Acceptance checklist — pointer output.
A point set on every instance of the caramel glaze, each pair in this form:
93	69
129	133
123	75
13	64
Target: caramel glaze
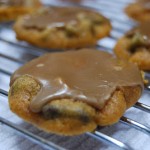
56	17
144	4
12	2
87	75
143	29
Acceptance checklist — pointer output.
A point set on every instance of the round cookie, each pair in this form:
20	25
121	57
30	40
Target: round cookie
139	11
73	92
62	27
134	46
12	9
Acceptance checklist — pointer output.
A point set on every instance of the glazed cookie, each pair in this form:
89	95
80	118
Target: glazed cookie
62	27
135	46
73	92
139	11
11	9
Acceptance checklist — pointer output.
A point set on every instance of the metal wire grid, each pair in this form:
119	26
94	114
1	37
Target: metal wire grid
21	52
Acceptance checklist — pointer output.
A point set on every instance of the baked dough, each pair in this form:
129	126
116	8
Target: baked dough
80	96
62	27
139	11
12	9
134	46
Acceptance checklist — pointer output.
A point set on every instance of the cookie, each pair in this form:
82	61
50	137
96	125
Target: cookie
139	11
62	27
134	46
73	92
12	9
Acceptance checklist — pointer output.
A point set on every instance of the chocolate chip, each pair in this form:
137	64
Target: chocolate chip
85	119
50	112
138	41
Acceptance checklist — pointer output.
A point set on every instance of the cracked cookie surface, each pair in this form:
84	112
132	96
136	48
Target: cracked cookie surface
139	11
134	46
62	27
12	9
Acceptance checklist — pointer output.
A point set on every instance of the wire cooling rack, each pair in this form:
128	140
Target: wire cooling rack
14	54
